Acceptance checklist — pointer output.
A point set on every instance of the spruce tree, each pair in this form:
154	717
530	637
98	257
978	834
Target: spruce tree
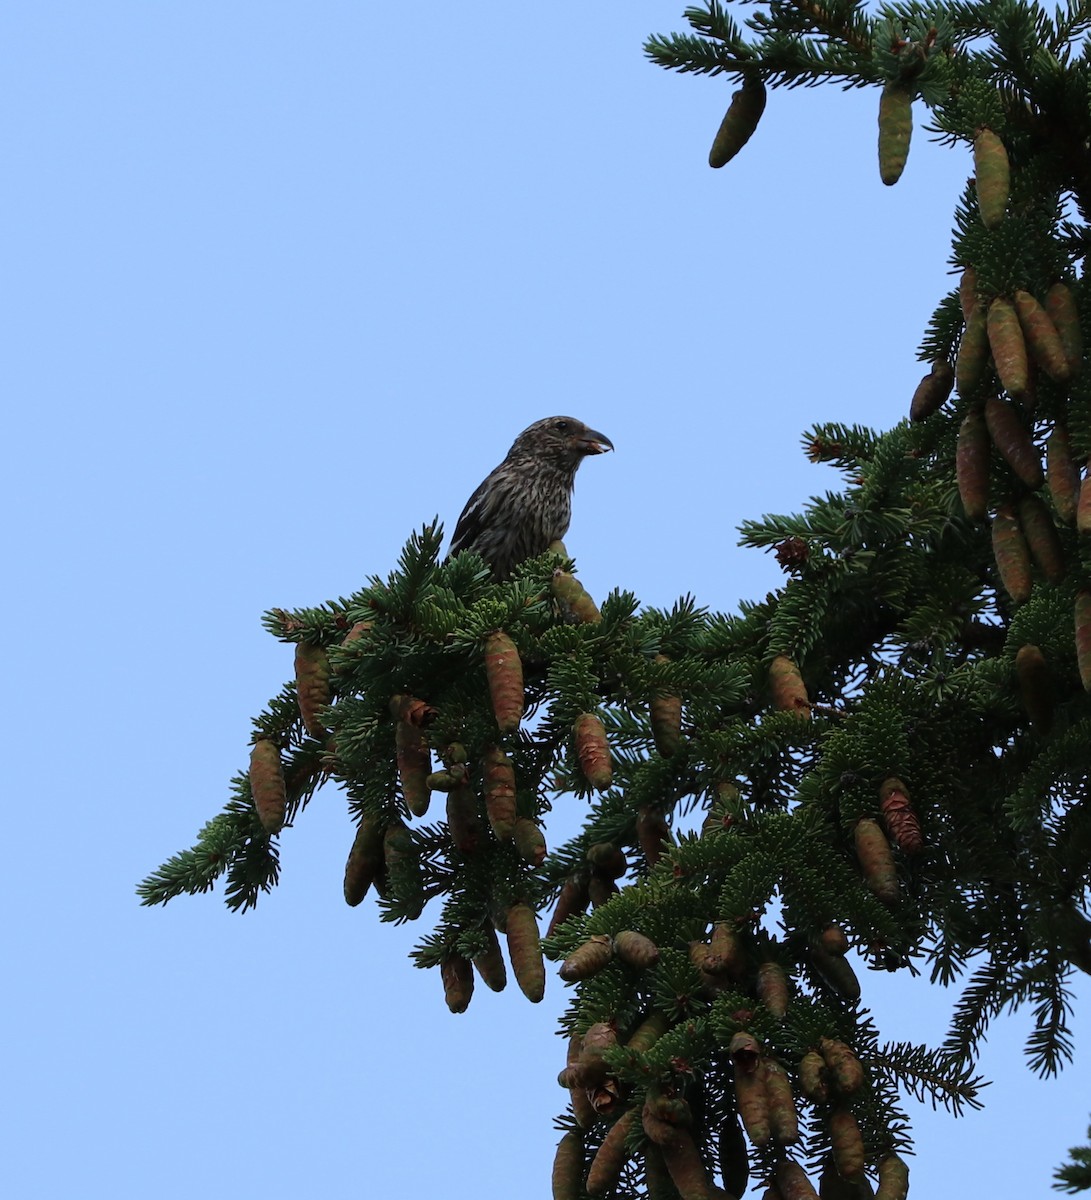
887	755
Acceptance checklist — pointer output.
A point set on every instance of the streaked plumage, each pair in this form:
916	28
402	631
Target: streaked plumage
526	502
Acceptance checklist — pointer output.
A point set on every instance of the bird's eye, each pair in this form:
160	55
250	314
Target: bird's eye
561	426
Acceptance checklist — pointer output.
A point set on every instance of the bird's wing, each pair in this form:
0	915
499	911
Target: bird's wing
475	516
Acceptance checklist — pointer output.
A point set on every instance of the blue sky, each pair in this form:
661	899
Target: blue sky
283	281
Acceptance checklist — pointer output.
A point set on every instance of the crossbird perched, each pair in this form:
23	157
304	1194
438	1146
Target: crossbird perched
526	502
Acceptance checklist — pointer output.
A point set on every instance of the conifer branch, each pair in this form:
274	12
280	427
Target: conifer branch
839	21
930	1075
1075	1176
697	55
233	837
1049	1045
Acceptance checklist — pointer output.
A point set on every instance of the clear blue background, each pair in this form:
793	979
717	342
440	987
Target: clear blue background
282	281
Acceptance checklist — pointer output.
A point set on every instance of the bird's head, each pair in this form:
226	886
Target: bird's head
562	440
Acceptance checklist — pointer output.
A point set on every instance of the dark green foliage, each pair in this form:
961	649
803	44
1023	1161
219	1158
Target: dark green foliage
233	842
1075	1176
894	615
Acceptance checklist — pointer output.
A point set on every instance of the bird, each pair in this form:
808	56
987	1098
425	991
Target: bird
526	502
